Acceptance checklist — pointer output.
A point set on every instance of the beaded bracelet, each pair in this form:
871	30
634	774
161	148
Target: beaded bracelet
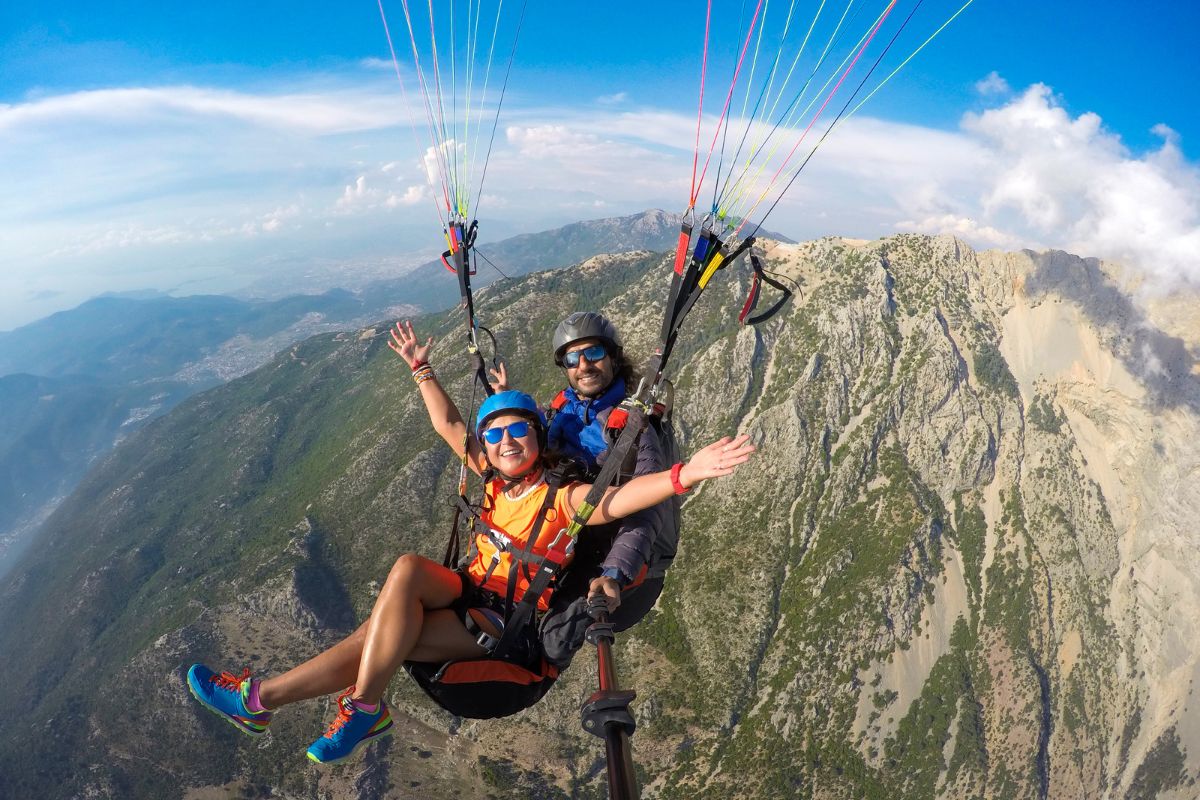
422	374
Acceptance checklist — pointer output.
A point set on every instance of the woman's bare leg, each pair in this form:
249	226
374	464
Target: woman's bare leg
414	587
327	672
441	637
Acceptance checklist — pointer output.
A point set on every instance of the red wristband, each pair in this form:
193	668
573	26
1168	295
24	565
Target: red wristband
679	487
419	364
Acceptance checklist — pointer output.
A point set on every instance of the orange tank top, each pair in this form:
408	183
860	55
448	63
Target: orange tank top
511	523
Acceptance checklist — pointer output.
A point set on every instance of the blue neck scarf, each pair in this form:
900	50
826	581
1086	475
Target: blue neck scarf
575	430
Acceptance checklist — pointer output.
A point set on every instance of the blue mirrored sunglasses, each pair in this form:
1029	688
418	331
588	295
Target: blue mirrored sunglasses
596	352
516	430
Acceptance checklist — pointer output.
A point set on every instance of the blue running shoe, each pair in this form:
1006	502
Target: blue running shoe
226	695
351	730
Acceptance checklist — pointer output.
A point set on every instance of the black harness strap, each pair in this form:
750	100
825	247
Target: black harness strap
675	323
514	618
761	276
553	482
635	423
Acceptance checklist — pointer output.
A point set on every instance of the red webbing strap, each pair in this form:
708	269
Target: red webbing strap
751	299
681	250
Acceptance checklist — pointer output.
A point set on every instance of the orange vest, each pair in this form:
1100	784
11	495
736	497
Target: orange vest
510	523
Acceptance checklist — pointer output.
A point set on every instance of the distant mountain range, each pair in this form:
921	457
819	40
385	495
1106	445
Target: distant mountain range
963	563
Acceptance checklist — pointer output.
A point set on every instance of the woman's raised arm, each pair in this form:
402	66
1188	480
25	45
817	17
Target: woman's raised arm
443	414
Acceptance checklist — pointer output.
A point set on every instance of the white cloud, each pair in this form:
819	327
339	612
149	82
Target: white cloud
374	192
412	196
275	220
612	99
992	84
964	228
1074	184
310	112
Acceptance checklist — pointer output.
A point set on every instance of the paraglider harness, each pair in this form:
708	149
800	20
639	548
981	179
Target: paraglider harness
513	675
509	678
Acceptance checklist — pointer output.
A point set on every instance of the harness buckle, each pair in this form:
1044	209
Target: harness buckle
487	641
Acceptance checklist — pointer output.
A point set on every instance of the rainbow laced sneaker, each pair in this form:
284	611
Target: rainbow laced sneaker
225	695
352	729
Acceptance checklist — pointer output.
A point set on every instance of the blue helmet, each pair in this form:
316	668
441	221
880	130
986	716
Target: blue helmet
510	402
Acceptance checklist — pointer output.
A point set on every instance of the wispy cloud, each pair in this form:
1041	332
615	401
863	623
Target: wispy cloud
993	84
300	113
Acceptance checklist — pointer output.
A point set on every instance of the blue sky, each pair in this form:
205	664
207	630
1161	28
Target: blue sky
252	147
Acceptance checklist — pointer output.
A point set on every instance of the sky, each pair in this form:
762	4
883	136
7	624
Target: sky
270	147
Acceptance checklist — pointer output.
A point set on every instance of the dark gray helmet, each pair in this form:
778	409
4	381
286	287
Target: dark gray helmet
585	325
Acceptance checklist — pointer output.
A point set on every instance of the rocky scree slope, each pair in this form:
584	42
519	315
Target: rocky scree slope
954	570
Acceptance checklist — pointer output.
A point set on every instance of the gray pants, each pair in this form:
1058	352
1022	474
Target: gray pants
563	629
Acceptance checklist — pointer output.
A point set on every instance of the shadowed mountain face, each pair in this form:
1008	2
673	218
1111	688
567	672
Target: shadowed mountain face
54	430
961	564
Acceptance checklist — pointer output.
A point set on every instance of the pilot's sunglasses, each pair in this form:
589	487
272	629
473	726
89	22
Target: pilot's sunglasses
516	430
593	354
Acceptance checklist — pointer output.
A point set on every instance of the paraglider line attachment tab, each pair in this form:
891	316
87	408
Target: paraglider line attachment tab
597	605
600	631
604	709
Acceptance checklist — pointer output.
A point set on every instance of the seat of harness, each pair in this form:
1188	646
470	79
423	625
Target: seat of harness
482	614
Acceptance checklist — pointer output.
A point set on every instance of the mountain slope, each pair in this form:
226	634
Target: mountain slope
960	566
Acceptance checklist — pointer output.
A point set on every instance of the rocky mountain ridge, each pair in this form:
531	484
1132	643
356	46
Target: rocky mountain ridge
961	565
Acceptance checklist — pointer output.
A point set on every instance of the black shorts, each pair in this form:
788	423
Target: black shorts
526	650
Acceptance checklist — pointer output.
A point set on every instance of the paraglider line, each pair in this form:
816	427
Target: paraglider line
408	112
729	96
836	119
504	87
700	112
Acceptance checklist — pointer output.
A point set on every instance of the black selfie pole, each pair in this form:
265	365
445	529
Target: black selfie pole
606	713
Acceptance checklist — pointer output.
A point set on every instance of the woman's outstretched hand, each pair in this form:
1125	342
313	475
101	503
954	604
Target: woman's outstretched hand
719	459
405	344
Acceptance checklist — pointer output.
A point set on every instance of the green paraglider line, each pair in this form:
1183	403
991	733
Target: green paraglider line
441	107
820	111
438	148
503	90
700	112
730	198
911	56
765	91
743	184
